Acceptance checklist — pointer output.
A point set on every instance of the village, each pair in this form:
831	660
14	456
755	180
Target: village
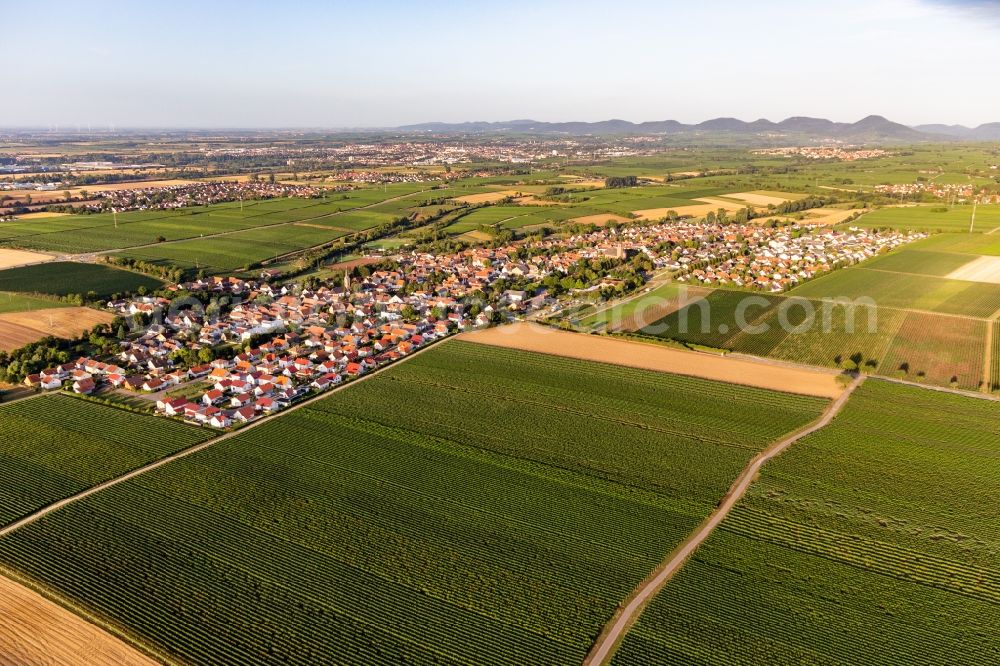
221	351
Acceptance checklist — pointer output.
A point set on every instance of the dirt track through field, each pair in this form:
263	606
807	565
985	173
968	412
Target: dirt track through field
609	639
533	337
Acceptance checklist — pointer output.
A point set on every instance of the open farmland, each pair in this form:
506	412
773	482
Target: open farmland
102	232
646	308
64	277
19	328
995	357
870	541
935	348
905	291
12	258
38	631
12	302
472	504
54	446
932	218
232	252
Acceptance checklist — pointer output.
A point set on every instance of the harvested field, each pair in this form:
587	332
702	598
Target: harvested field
709	205
13	258
19	328
983	269
37	196
544	340
138	185
38	631
486	197
40	215
13	336
582	182
476	236
600	219
758	199
829	216
354	263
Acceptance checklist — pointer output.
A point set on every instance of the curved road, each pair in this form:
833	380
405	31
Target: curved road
606	643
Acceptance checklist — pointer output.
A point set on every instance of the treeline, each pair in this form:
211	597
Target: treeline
49	351
170	274
612	182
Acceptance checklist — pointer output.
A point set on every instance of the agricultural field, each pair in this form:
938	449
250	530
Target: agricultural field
63	277
923	262
976	244
932	218
233	252
13	302
102	232
22	327
646	308
995	357
908	291
55	445
472	504
935	348
12	258
870	541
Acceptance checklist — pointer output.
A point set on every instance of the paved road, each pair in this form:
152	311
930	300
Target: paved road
604	647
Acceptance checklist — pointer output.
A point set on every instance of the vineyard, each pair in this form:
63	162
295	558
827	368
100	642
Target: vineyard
995	358
63	277
940	350
913	260
234	251
11	302
54	446
471	505
871	541
932	218
907	291
92	233
937	349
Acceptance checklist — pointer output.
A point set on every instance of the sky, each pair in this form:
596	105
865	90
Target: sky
381	64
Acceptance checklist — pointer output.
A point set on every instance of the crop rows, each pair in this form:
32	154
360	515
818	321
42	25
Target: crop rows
937	349
995	358
61	278
906	291
870	541
473	504
91	233
55	446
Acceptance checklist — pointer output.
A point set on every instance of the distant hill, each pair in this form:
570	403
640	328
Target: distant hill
987	132
867	130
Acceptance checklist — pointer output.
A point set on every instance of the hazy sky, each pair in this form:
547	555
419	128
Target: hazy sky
337	64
